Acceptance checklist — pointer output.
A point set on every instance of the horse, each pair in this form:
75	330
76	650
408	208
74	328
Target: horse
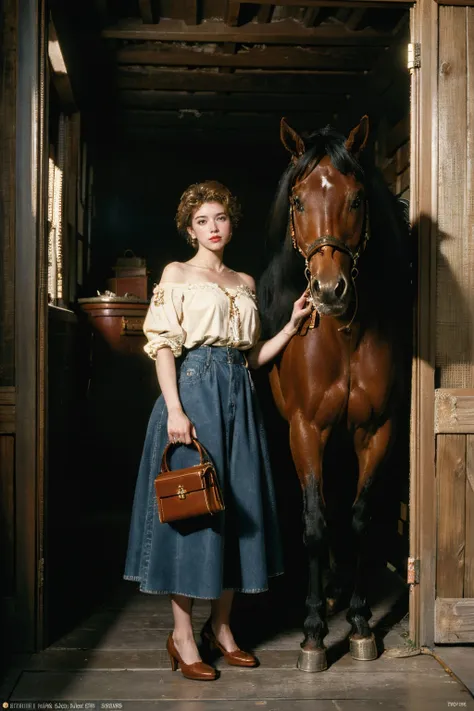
336	229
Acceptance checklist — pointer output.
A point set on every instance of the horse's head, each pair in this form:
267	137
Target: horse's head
328	217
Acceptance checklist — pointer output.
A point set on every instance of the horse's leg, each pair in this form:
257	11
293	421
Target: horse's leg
307	446
371	449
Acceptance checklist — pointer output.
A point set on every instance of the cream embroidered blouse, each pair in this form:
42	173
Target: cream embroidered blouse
200	313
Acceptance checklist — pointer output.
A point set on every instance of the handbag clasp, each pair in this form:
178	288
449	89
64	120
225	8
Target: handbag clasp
181	492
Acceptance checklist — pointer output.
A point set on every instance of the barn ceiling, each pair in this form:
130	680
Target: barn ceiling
219	65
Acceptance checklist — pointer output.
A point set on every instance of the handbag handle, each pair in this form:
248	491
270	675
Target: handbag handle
164	459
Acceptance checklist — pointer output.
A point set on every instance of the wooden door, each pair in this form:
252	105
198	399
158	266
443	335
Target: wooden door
442	498
454	401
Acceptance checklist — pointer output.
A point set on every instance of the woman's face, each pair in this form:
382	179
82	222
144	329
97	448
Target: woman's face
211	226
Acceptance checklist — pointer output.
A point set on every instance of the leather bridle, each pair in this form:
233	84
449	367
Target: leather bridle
330	241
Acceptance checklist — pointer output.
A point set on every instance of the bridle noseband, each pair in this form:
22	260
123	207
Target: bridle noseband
330	241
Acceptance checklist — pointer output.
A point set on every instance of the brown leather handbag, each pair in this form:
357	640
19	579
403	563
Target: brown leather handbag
189	492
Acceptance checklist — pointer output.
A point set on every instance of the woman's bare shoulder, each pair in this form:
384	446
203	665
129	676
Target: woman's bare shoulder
173	272
247	280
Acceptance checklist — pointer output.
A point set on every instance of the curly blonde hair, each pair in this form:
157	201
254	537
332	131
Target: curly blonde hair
199	193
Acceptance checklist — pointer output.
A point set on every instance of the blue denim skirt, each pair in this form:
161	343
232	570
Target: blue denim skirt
239	548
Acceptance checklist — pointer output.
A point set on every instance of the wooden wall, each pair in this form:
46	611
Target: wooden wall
455	329
8	12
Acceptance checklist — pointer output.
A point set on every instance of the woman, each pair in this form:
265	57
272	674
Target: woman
205	315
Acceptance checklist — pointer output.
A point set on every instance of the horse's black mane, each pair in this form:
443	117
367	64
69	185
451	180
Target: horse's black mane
386	258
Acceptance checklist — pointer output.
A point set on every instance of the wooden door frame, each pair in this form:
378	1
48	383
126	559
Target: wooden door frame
424	198
30	323
31	320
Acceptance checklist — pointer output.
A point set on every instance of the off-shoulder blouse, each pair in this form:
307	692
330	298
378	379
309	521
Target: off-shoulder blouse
200	313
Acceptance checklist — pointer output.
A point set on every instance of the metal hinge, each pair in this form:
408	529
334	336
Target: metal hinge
41	572
413	571
414	56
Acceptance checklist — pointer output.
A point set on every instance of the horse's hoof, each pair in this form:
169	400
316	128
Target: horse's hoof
364	649
312	660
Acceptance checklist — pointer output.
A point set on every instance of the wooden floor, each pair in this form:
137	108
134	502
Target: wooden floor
116	659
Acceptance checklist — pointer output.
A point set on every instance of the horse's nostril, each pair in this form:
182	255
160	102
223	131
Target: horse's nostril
340	288
316	286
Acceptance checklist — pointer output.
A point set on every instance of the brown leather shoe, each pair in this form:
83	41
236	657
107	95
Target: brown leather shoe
237	658
197	671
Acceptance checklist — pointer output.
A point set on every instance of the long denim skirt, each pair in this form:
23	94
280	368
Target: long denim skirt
239	548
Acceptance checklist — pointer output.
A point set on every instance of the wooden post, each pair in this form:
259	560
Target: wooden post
30	310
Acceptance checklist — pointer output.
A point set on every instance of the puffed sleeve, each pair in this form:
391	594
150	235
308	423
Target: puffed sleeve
162	325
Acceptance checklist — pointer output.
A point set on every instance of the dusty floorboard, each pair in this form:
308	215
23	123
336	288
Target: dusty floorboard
117	656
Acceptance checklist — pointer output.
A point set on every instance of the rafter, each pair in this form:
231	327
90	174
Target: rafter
149	11
191	12
265	13
232	12
253	82
329	58
355	19
284	32
310	16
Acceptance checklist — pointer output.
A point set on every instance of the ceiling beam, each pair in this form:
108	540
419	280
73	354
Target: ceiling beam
345	3
207	101
248	81
149	11
284	32
329	58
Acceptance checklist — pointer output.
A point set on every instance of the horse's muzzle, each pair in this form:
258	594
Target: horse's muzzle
331	298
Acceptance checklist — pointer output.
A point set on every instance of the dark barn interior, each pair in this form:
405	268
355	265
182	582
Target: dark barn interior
146	97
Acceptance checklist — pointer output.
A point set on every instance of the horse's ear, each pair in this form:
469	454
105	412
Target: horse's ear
291	140
358	137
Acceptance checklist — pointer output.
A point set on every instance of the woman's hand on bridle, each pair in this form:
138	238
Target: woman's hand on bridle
180	427
301	309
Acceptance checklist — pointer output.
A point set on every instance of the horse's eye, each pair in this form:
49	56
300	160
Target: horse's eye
298	204
356	203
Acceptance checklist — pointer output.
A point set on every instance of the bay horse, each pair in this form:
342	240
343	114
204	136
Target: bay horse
338	230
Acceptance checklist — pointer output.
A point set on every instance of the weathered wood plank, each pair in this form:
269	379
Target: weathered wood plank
284	32
7	395
241	685
255	82
469	552
93	659
454	347
7	419
454	410
454	620
451	473
329	58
